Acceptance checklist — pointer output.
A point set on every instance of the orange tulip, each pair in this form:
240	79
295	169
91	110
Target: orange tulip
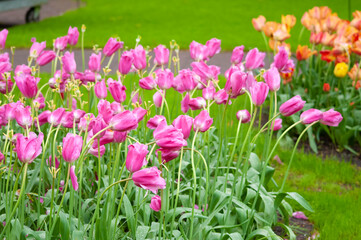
356	48
356	23
356	14
331	22
328	39
355	73
270	27
303	52
326	55
316	38
258	23
325	12
289	21
281	35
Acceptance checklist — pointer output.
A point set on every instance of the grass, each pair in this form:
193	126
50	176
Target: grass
158	22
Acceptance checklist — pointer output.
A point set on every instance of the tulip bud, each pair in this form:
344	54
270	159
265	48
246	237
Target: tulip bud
23	116
164	78
69	63
149	179
156	203
273	79
61	43
74	179
331	118
281	61
183	123
209	92
45	57
292	106
101	89
198	52
202	122
311	115
73	35
147	83
124	121
139	57
3	36
213	46
277	124
237	55
125	62
55	117
27	84
28	148
136	157
197	103
259	92
158	98
117	90
95	62
221	97
72	146
254	59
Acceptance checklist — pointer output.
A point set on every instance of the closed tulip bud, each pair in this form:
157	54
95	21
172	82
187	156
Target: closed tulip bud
292	106
36	49
28	148
61	43
69	63
259	92
112	46
23	116
273	79
136	157
277	124
214	46
56	116
197	103
198	52
282	62
139	57
43	118
221	97
45	57
156	203
73	36
99	125
28	85
155	121
158	98
117	90
124	121
125	62
147	83
164	78
237	55
331	118
72	146
74	179
167	155
3	36
161	55
149	179
184	123
254	59
208	92
310	116
139	113
202	122
185	103
94	62
100	89
243	116
341	70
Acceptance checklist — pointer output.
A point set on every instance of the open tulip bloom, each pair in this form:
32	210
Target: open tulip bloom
75	157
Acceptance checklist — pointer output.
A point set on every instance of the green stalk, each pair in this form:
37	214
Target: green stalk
178	184
194	186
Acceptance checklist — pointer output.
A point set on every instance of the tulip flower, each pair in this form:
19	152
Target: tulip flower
39	102
154	121
119	137
124	121
168	137
28	85
208	92
292	106
167	155
147	83
117	90
112	46
331	118
136	157
61	43
341	70
149	179
6	86
100	89
95	62
99	125
23	116
139	113
28	148
139	57
198	52
164	78
105	110
243	116
2	157
158	98
72	146
184	124
136	99
36	49
116	107
43	118
156	203
125	62
202	122
56	116
86	123
3	36
273	79
161	55
221	97
185	103
236	83
73	36
197	103
299	215
45	57
69	63
95	151
310	116
254	59
213	46
303	52
282	62
74	179
185	81
237	55
259	22
277	124
202	70
259	92
326	87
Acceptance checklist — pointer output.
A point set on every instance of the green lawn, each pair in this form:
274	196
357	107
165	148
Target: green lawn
183	20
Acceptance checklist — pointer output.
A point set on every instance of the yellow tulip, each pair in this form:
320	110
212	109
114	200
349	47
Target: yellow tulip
340	70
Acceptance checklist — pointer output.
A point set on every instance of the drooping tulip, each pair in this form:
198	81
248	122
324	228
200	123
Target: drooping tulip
168	137
119	137
45	57
277	124
221	97
100	89
214	46
292	106
202	122
197	103
331	118
117	90
99	125
154	121
149	179
43	117
167	155
136	157
73	35
112	46
125	62
161	55
72	146
124	121
243	116
139	113
147	83
55	117
156	203
28	148
183	123
310	116
69	63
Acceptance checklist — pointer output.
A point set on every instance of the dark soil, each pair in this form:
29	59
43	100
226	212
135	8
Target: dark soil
302	228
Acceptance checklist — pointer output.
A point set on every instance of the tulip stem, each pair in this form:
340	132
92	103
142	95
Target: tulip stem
194	186
135	140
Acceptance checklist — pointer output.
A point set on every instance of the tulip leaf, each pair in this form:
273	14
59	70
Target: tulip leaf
142	232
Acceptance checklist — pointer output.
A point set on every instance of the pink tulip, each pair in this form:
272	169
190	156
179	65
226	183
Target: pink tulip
56	116
28	85
116	107
202	70
259	93
164	78
95	151
155	121
51	164
86	123
117	90
311	115
119	137
105	110
156	203
69	63
3	36
112	46
167	155
139	113
331	118
95	62
277	124
23	116
198	52
292	106
197	103
299	215
168	137
236	84
147	83
73	35
158	98
221	97
232	69
161	55
72	146
185	81
139	57
281	61
67	120
185	103
36	49
184	124
273	79
149	179
45	57
125	62
237	55
213	46
243	116
28	148
124	121
74	179
202	122
43	118
39	102
209	92
136	157
6	86
254	59
99	125
100	89
10	110
61	43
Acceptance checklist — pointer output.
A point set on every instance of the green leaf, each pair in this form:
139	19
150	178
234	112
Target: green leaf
142	232
77	235
64	226
295	196
289	231
311	140
265	232
129	214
